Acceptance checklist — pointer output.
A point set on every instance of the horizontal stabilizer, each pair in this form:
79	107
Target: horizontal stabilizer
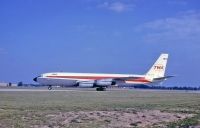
163	78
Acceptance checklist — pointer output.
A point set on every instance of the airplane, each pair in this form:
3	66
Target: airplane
155	75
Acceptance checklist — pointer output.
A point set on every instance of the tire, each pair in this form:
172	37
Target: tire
100	89
49	87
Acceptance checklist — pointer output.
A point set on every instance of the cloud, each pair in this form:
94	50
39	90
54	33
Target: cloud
117	6
184	27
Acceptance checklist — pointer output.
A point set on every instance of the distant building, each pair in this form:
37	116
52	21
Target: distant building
7	84
3	84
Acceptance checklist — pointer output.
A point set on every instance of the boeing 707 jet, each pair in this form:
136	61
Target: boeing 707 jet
156	74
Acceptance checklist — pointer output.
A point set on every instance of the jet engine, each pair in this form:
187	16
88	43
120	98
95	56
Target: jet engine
96	83
86	84
105	82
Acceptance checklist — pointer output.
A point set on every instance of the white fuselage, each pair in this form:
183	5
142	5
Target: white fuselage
71	79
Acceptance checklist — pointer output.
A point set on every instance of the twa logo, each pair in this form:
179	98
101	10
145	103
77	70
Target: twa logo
158	67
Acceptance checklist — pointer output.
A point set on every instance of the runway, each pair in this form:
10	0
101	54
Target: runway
43	89
58	89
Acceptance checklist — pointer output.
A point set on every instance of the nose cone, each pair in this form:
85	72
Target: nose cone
35	79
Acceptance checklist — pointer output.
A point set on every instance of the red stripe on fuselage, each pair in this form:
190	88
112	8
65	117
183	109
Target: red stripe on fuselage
84	77
139	79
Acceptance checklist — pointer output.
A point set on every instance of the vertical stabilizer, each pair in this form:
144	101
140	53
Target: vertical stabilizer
158	69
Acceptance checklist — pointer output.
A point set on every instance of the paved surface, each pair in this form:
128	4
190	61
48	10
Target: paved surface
56	89
38	89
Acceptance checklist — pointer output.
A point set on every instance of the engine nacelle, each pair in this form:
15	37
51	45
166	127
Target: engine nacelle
86	84
106	82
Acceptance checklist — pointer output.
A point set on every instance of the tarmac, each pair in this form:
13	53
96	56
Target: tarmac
59	89
42	89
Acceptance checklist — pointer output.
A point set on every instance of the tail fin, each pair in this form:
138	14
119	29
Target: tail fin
158	69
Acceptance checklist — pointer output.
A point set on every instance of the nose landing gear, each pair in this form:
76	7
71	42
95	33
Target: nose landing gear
49	87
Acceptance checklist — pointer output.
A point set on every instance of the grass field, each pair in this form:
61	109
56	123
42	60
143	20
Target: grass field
20	109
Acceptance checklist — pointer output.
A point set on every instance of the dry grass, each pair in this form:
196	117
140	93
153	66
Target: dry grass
45	109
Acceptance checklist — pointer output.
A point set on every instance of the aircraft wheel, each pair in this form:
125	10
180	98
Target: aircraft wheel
50	87
101	89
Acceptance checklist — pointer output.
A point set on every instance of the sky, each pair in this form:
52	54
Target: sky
99	36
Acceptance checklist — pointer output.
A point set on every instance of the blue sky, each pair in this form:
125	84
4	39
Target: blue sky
105	36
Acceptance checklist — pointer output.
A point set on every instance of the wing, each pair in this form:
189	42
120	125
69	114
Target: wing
105	82
126	78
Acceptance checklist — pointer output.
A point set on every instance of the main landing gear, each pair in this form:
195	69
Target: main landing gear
49	87
101	89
